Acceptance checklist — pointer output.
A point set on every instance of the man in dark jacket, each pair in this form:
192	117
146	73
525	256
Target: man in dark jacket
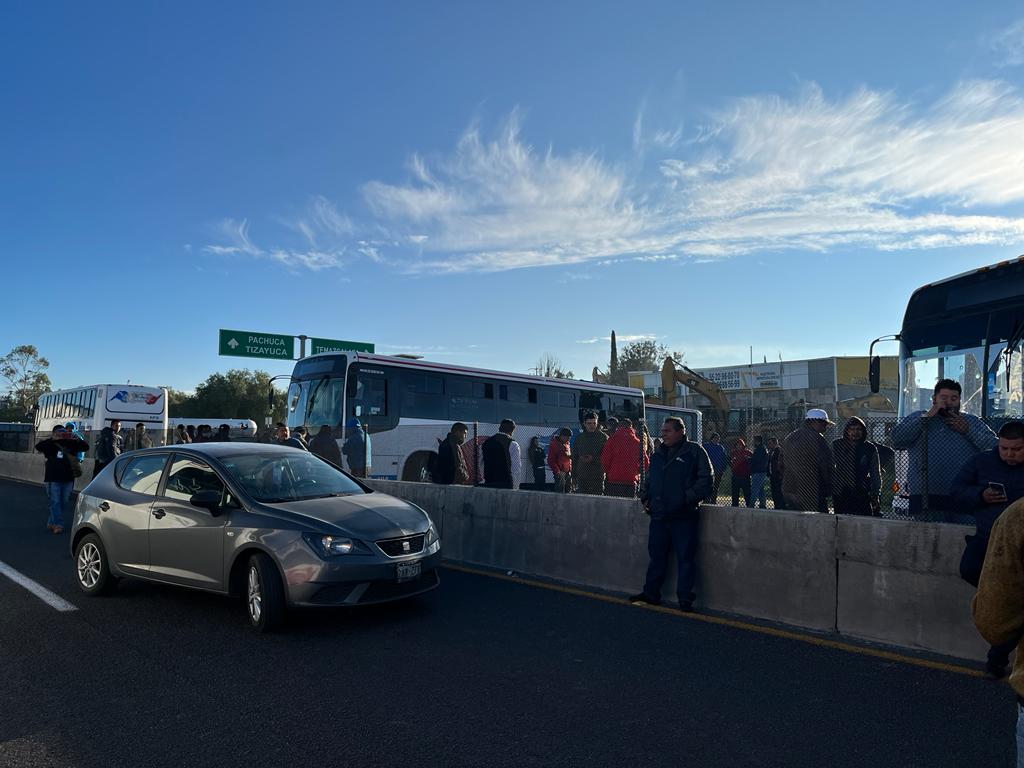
325	446
758	473
986	485
498	460
450	467
680	478
59	475
108	446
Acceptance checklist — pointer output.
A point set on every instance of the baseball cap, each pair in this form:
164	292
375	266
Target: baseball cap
820	414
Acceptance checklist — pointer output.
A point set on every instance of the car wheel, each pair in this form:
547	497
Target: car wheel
264	594
91	570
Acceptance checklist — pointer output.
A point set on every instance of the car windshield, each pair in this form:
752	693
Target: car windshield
288	476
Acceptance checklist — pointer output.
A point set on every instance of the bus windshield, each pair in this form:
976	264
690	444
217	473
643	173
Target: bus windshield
969	329
317	401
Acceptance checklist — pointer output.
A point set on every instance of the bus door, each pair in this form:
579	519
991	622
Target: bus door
370	398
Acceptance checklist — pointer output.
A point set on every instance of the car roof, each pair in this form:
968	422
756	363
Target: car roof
229	448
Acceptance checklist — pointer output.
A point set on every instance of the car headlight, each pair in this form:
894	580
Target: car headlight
431	535
332	546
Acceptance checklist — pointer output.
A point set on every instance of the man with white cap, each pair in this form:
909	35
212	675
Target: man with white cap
807	464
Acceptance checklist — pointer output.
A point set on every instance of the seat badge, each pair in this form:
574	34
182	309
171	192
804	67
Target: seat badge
406	546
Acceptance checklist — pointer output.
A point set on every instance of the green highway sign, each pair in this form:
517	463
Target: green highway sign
254	344
316	346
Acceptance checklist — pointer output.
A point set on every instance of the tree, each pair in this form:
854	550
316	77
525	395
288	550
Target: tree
645	355
23	369
237	394
550	366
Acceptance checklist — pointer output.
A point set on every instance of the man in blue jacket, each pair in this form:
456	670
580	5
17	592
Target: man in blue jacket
986	485
939	442
680	478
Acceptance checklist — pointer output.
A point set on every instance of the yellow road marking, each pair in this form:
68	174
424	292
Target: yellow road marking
772	631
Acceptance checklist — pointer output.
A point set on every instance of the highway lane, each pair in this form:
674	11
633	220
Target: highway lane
480	672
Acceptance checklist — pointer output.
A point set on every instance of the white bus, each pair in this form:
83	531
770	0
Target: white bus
93	407
240	429
408	406
655	416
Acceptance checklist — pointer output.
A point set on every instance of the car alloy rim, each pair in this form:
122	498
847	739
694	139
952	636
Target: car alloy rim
255	599
89	565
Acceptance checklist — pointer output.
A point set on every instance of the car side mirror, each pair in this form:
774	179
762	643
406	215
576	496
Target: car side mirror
209	500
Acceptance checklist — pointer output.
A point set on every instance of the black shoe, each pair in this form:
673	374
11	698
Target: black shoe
686	606
994	670
644	599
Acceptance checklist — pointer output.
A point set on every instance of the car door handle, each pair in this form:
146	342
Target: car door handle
158	513
104	506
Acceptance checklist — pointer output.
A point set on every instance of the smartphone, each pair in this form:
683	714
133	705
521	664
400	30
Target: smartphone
998	488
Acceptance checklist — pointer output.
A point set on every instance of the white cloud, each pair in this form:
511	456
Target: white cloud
236	234
764	174
1008	45
767	173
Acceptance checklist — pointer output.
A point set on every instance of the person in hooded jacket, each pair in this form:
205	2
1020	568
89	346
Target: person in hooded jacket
324	445
857	480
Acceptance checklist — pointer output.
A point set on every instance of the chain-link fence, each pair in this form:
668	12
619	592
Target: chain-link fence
883	467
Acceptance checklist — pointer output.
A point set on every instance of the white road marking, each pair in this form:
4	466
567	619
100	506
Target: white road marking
48	597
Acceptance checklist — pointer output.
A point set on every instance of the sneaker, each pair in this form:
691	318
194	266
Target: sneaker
686	606
58	529
644	599
49	527
994	670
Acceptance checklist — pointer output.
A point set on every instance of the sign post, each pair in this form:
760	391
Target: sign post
275	346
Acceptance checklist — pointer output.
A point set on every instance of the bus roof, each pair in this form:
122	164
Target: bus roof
980	287
428	365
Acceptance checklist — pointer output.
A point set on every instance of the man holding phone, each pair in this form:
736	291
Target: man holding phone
938	442
986	485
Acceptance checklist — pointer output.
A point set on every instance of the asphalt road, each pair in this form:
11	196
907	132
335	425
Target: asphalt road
481	672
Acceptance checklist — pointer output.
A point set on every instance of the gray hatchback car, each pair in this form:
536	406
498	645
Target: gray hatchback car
276	525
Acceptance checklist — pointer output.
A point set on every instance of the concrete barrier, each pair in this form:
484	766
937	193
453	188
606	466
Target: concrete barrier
895	582
899	582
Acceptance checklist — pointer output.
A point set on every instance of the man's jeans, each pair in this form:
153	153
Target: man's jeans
59	495
758	496
664	536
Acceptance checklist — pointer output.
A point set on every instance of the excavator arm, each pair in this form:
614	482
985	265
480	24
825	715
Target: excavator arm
692	380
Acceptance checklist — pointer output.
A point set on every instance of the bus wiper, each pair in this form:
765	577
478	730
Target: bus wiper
312	398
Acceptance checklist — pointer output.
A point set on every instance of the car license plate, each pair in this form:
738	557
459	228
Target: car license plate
407	571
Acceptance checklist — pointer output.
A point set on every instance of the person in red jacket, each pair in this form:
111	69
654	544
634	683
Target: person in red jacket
560	459
622	457
739	462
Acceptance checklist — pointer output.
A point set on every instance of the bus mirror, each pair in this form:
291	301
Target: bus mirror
875	373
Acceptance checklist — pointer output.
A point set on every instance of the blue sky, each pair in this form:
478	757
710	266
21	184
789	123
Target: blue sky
484	183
